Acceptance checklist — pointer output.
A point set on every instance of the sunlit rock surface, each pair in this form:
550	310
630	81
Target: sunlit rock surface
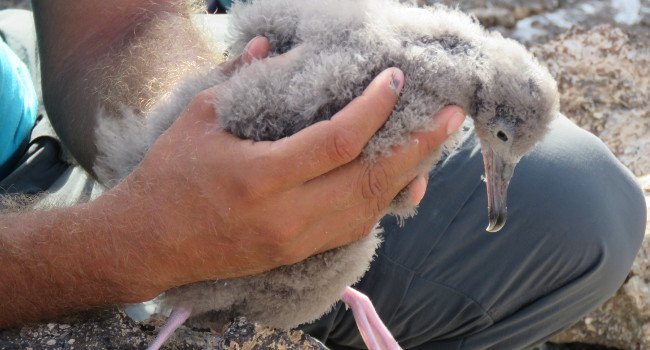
604	80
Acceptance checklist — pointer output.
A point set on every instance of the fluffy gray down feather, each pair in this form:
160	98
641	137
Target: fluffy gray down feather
447	59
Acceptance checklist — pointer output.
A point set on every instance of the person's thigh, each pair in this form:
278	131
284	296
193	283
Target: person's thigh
576	221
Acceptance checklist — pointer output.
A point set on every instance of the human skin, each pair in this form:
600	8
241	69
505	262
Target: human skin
203	204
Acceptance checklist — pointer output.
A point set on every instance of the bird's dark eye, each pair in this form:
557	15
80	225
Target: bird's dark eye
502	136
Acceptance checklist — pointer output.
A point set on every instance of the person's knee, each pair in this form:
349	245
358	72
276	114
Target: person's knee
590	199
577	221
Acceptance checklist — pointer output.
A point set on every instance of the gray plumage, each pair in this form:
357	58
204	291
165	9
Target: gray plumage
447	59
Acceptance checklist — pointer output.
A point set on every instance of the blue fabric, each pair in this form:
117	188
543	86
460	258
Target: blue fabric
224	4
227	3
18	106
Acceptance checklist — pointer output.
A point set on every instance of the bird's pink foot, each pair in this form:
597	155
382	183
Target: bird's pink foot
372	329
179	315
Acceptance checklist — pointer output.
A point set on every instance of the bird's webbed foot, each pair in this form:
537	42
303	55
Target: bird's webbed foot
373	331
180	314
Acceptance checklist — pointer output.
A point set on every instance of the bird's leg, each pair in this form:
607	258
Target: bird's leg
372	329
180	314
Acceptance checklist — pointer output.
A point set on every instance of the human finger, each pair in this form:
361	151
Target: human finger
416	189
343	228
257	48
329	232
379	181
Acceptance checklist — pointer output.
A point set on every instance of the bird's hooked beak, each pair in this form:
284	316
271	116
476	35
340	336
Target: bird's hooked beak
497	177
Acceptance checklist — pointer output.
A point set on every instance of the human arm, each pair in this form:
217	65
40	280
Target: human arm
89	58
131	244
243	208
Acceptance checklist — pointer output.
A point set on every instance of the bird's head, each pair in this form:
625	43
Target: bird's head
512	111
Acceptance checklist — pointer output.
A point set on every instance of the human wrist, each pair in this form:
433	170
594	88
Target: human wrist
63	260
163	237
133	256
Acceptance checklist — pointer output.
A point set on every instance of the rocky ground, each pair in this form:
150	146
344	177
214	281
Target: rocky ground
112	329
535	22
599	53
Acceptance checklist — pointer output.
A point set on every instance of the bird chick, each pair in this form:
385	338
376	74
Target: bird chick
447	58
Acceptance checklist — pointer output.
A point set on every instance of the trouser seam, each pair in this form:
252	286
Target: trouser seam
453	289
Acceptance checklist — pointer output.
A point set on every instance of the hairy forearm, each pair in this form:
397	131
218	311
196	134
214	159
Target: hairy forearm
110	251
97	54
129	245
60	261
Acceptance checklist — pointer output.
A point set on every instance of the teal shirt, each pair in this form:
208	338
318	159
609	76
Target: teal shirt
226	3
18	106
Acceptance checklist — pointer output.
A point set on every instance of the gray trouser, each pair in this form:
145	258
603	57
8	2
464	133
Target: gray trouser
576	220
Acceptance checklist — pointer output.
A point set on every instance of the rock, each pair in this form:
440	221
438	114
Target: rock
498	13
534	22
604	78
112	329
244	335
518	8
100	329
543	26
494	16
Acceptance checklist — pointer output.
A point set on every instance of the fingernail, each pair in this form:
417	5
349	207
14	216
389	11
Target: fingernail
250	43
455	122
397	81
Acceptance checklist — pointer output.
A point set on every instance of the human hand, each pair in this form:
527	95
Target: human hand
217	206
